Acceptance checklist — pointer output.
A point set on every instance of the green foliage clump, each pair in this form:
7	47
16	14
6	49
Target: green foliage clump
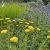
12	10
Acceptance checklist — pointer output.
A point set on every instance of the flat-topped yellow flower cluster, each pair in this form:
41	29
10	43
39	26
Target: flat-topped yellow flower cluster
14	39
32	29
4	31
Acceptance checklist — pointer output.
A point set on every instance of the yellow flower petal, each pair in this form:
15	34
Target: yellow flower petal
48	37
14	39
26	22
31	22
31	28
17	25
4	31
27	30
14	20
49	31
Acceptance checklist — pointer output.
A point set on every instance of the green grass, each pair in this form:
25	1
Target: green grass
13	10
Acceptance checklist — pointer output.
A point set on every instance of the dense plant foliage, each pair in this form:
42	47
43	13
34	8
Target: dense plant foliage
24	26
12	10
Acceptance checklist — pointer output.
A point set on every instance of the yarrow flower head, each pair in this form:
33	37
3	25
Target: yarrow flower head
48	37
49	31
14	20
31	22
4	31
17	25
14	39
27	30
26	23
31	28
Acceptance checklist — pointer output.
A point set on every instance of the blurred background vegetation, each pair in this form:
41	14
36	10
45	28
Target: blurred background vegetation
18	8
16	0
45	1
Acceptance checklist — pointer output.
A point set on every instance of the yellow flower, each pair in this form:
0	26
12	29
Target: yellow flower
27	30
49	31
48	37
14	39
31	22
31	28
26	22
38	29
17	25
4	31
14	20
7	18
